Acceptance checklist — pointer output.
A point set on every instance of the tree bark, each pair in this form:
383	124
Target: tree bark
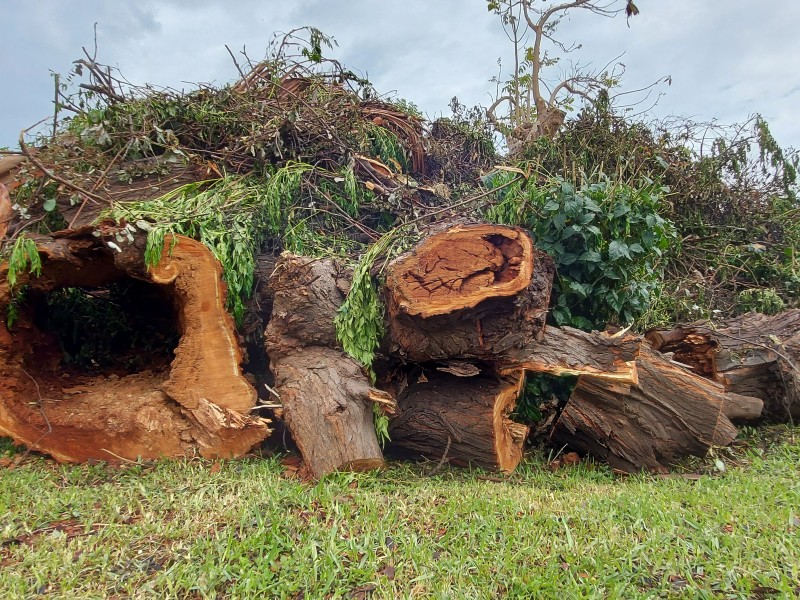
460	420
568	351
668	414
471	291
199	406
327	398
752	355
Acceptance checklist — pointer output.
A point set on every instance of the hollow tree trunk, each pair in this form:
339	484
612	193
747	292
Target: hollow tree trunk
327	398
471	291
568	351
200	406
461	420
753	355
668	414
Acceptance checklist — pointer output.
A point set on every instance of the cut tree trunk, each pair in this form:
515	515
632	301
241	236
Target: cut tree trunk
199	406
668	414
460	420
327	398
568	351
470	291
752	355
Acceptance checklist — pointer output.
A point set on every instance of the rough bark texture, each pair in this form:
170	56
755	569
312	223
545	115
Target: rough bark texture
752	355
669	413
461	420
568	351
326	397
199	406
496	296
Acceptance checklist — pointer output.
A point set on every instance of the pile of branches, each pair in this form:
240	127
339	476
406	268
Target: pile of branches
356	163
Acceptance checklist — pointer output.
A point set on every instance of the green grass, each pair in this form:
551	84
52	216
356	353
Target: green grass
242	529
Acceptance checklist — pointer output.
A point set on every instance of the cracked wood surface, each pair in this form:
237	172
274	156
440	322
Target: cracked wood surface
479	325
751	355
458	268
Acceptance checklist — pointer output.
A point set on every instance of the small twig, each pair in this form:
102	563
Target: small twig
442	460
273	392
40	405
57	79
462	202
238	68
117	456
97	184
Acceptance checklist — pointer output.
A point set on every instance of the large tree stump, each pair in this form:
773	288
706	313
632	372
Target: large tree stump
668	414
327	398
568	351
199	406
752	355
471	291
460	420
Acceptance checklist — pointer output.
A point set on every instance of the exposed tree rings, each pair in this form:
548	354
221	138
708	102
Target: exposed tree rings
460	267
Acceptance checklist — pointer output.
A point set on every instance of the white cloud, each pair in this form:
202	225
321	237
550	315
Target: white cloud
727	59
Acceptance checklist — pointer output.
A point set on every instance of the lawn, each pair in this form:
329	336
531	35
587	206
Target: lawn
244	529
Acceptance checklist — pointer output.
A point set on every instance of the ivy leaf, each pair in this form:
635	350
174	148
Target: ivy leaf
617	250
552	206
621	209
591	256
595	230
567	259
579	288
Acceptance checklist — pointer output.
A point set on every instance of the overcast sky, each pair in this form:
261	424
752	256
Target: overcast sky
727	58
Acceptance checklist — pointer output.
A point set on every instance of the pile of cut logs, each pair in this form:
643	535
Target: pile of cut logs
465	322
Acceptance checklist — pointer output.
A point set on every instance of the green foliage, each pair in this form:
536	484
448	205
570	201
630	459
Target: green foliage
538	389
387	147
121	326
232	216
359	321
607	240
22	257
763	300
732	197
381	421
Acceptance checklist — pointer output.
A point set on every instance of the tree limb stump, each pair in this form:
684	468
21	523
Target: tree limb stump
327	398
568	351
751	355
460	420
668	414
471	291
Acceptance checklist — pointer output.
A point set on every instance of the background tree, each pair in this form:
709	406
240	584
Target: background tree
534	108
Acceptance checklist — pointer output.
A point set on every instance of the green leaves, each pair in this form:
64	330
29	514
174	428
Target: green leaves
606	238
24	255
359	321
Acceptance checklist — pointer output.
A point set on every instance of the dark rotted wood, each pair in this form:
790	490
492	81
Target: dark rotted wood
568	351
668	414
461	420
200	405
327	398
752	355
463	318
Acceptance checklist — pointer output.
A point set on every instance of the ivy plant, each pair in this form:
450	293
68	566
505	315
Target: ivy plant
606	237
